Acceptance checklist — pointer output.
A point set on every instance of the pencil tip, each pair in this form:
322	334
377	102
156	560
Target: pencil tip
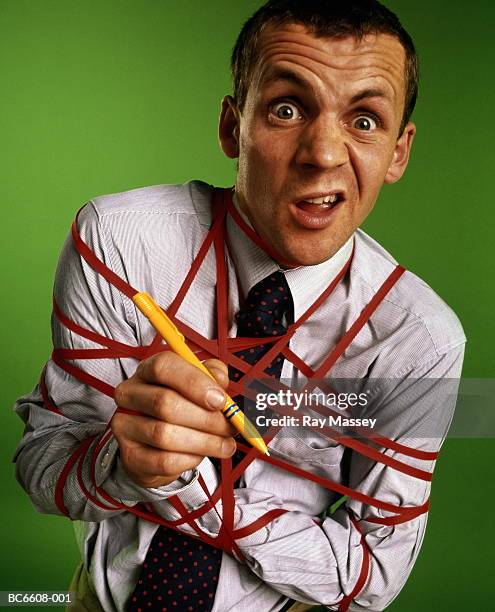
267	453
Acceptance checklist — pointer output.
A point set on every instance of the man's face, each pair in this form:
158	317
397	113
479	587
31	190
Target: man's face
321	120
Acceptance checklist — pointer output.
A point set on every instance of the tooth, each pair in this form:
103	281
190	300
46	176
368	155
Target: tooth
323	200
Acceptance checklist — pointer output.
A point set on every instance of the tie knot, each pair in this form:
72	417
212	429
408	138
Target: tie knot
266	304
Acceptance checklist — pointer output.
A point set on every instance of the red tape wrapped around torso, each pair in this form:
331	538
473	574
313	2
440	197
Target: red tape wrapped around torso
223	348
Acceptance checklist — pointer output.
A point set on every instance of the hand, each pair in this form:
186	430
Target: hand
180	421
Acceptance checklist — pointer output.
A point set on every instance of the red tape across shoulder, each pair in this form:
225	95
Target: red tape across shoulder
223	348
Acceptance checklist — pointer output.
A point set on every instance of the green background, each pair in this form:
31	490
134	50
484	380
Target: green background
99	96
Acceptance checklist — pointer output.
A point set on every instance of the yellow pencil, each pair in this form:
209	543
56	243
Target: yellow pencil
169	332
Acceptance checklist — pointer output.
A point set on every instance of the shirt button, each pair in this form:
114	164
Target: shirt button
105	459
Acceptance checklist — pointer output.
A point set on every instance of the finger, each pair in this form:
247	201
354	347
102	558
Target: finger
144	460
170	437
167	405
169	369
219	370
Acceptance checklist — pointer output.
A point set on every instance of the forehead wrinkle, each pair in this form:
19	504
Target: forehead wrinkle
295	48
280	62
351	54
348	46
351	61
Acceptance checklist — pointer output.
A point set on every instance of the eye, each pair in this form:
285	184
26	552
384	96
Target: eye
286	111
365	123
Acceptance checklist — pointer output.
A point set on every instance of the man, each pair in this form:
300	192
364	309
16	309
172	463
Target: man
319	121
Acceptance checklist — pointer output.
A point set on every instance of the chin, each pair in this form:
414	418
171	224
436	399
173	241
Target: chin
303	247
306	257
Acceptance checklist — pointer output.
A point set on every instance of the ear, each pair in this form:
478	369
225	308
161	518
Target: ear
228	128
401	154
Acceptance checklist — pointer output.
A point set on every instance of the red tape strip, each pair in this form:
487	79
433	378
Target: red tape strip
363	574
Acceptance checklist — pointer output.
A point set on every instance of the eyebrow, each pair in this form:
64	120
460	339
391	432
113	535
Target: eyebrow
368	93
274	74
283	74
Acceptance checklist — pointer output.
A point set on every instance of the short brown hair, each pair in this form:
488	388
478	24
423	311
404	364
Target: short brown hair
324	18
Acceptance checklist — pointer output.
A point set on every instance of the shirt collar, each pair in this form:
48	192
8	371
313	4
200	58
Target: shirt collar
305	282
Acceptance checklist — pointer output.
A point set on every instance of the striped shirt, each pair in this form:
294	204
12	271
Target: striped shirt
149	237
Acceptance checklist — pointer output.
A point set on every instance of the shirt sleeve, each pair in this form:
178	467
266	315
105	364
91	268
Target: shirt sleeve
321	563
50	439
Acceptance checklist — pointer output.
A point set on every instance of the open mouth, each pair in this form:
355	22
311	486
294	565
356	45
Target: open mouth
322	204
317	213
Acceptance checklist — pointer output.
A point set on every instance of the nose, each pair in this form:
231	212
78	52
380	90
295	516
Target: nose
322	144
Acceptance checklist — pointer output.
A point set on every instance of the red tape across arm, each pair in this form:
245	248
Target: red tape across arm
97	264
345	602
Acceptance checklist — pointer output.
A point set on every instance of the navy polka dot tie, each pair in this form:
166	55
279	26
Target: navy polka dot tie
267	312
179	572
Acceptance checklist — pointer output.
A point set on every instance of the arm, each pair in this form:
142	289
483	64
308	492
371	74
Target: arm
321	564
50	439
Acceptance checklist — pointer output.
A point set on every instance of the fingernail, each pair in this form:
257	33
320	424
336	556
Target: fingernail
228	448
215	398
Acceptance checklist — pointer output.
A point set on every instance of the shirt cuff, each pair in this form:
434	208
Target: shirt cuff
112	477
193	496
